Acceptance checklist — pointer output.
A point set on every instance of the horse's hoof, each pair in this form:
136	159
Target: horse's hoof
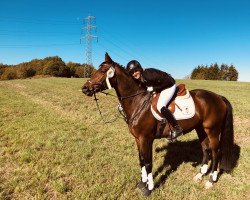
146	192
198	177
208	185
141	185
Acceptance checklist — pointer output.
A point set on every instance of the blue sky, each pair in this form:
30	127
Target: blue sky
171	35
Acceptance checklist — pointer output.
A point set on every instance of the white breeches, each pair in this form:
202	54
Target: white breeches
165	96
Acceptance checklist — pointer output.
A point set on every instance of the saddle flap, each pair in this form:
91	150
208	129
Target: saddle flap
171	105
180	91
181	105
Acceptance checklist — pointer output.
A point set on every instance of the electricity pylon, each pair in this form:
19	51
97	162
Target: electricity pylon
89	21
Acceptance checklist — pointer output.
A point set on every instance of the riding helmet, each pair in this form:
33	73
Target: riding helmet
133	66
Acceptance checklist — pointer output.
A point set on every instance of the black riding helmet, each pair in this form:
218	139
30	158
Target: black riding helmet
134	66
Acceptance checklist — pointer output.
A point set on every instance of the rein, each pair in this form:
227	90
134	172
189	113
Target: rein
100	112
126	97
120	108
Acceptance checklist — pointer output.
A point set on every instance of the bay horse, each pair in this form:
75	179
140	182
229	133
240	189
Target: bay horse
213	122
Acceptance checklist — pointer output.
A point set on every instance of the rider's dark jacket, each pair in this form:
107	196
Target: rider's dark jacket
157	79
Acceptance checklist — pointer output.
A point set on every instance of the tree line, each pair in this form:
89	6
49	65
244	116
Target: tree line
55	66
215	72
49	66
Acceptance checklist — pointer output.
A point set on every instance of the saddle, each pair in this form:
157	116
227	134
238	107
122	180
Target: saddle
180	91
181	106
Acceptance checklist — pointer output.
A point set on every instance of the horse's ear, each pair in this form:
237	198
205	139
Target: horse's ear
107	58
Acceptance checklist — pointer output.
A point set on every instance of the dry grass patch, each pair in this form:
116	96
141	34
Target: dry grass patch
55	146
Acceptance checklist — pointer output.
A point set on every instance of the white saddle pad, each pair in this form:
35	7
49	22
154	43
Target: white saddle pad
184	108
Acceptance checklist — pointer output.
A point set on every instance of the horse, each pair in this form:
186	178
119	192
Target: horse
213	122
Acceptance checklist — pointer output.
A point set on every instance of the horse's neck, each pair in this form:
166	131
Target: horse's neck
126	88
125	85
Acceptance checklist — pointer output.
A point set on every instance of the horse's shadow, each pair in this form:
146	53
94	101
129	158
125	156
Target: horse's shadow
183	151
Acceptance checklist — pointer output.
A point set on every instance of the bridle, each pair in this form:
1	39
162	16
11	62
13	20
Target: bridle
111	74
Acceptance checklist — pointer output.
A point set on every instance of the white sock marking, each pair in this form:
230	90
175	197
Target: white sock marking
144	176
150	181
215	176
204	169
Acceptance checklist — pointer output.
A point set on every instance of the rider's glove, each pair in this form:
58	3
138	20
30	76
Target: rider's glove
150	89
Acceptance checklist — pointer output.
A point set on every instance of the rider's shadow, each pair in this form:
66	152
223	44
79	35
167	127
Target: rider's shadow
183	151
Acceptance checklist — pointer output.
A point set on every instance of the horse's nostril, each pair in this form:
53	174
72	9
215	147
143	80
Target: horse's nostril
84	89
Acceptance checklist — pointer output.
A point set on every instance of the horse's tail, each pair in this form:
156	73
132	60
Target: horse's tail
227	139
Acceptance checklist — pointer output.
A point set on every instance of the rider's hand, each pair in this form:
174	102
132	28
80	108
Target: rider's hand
150	89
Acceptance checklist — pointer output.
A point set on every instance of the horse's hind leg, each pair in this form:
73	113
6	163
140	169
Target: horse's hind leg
213	136
205	150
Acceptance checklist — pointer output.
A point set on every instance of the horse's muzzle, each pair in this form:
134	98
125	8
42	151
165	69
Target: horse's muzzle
87	91
90	88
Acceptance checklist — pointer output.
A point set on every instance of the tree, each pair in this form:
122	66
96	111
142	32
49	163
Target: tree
232	73
73	67
2	68
9	74
52	66
214	72
25	70
55	67
223	72
199	72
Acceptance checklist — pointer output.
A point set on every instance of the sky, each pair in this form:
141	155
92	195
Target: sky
172	35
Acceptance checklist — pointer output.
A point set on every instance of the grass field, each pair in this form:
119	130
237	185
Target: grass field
54	145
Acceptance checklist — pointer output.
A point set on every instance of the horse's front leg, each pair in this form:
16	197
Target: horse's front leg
144	177
145	157
205	159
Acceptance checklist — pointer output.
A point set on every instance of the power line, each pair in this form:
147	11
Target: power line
118	41
38	21
38	34
27	31
35	45
89	20
109	50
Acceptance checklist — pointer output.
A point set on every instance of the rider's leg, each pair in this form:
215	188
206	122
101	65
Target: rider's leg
177	130
165	97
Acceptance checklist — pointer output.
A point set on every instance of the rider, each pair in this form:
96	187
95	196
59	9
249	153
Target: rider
158	81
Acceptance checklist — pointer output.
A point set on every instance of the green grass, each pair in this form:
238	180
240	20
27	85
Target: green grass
53	145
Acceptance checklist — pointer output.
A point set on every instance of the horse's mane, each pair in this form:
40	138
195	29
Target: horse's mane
127	74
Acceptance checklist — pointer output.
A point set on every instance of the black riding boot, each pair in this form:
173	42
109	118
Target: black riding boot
177	130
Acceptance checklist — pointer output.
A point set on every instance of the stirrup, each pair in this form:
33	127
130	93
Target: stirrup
178	131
